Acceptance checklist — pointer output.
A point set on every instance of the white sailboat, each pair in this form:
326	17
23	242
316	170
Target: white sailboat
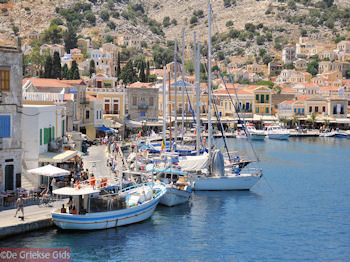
216	176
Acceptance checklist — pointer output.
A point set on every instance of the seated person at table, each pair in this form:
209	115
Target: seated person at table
45	191
92	180
74	211
63	209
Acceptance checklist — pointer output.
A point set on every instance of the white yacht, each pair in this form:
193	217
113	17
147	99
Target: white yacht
277	132
254	133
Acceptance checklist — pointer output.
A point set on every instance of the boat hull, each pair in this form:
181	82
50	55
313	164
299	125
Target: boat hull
241	182
279	136
110	219
257	137
174	196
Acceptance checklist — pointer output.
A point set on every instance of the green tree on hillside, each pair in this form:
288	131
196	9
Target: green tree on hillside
48	67
312	68
73	73
65	71
128	74
142	72
70	39
56	66
92	69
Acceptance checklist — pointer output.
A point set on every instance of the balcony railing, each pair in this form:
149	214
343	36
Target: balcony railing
111	112
105	90
38	96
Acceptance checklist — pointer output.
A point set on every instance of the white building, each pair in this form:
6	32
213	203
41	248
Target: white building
10	118
40	125
288	55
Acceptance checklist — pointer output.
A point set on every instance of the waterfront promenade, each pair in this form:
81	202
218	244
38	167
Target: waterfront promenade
35	217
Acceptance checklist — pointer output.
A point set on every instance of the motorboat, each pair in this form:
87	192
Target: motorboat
277	132
100	209
328	134
178	188
254	133
241	134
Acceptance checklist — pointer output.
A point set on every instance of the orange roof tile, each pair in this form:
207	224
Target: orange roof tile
46	82
303	98
231	91
288	102
288	90
140	84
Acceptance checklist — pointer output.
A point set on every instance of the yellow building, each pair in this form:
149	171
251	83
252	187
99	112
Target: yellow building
262	99
93	116
83	45
78	58
189	98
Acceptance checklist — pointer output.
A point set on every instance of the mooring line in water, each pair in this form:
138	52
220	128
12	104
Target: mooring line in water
268	183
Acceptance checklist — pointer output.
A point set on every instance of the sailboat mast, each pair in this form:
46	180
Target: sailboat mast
197	93
209	82
164	105
198	98
170	104
175	71
183	85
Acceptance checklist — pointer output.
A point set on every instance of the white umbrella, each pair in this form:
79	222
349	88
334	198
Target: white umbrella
49	171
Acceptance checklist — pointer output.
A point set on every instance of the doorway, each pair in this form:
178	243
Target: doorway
9	177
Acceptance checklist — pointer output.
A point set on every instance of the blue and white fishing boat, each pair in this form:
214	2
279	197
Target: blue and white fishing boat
98	209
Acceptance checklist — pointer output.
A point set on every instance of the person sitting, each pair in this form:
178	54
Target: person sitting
45	191
73	211
63	209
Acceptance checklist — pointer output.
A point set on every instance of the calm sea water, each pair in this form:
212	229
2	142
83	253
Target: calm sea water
300	211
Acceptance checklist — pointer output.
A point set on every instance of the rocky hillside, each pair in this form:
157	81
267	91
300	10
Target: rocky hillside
271	23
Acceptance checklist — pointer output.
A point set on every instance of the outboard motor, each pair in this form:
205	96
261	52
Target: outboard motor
217	163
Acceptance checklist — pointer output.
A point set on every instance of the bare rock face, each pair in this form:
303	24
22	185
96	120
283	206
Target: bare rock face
36	15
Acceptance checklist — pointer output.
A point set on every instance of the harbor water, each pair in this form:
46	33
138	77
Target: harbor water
300	210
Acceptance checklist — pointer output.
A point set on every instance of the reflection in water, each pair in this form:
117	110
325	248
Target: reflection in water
306	215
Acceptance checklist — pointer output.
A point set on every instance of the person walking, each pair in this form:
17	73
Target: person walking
20	203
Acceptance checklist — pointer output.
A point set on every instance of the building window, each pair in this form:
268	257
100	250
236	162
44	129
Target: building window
5	126
262	99
266	110
257	97
225	105
41	136
310	109
4	80
134	100
257	110
247	106
151	101
295	110
267	98
323	109
303	110
87	114
47	135
316	109
97	114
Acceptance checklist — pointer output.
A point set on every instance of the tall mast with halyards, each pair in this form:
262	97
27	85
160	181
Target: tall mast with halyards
209	81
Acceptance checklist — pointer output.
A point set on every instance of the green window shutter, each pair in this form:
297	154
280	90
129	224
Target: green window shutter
267	110
267	98
63	127
257	97
257	110
46	135
262	98
41	136
53	133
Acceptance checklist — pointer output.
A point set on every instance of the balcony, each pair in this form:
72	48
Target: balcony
38	96
143	107
111	112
